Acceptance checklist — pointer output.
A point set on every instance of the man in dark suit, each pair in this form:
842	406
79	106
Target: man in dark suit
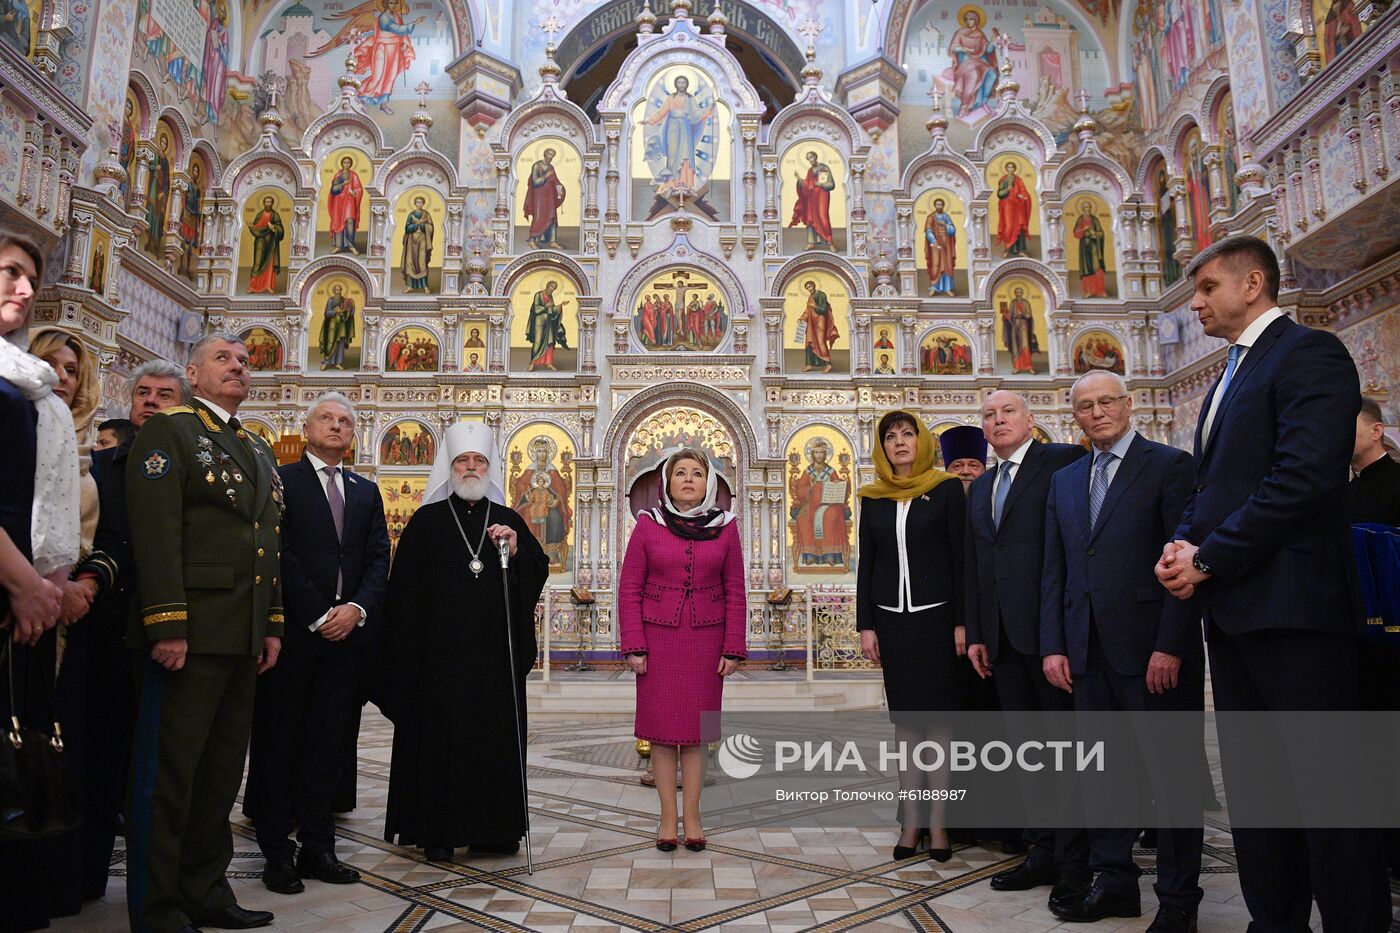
1265	546
335	562
1109	635
205	507
1005	543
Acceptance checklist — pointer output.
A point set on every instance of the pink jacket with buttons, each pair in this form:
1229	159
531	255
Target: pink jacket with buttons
669	580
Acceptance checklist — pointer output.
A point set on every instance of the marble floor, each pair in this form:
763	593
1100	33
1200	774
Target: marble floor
597	870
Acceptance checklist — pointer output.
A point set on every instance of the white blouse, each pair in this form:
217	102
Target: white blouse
906	595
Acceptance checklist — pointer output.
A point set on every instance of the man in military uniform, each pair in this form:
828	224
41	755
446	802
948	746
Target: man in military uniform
205	509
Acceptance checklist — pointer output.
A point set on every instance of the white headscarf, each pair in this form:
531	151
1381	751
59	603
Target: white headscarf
54	533
466	437
706	504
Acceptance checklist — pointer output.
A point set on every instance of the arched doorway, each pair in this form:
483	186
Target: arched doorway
594	50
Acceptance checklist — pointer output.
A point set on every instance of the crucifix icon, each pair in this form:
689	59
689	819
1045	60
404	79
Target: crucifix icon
550	25
881	238
423	89
1083	98
809	30
936	94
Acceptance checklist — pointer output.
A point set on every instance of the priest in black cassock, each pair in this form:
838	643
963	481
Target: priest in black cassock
445	676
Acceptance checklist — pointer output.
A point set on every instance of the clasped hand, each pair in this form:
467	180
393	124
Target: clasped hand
1176	571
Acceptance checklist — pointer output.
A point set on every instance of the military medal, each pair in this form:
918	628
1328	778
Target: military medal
209	477
237	476
475	565
232	497
224	476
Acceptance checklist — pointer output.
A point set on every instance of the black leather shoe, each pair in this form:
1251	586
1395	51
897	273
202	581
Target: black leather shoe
1071	885
280	876
324	866
1173	919
1096	905
236	918
1023	877
438	853
1149	838
494	848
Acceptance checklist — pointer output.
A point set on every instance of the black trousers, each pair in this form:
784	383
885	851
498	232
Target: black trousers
1021	685
1100	687
1283	870
304	710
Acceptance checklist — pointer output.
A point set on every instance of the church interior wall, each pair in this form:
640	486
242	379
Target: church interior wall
1133	150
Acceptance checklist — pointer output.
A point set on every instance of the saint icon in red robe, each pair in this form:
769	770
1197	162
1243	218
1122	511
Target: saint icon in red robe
1013	213
813	207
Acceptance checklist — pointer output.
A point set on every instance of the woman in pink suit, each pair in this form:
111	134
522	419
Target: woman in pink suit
681	609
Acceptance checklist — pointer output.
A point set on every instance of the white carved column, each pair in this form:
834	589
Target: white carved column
583	533
910	364
378	227
302	231
498	343
773	322
503	189
75	270
1293	160
980	248
452	340
67	175
586	420
364	421
1137	332
1127	231
136	199
604	557
619	335
775	537
223	238
590	189
295	351
1312	156
863	437
774	426
770	189
858	191
1219	194
904	231
369	353
1147	234
588	326
48	165
1375	131
986	350
1055	226
1389	92
862	344
1154	351
1061	329
1185	245
454	229
756	538
750	137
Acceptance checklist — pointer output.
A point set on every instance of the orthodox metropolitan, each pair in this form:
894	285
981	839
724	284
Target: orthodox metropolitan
449	677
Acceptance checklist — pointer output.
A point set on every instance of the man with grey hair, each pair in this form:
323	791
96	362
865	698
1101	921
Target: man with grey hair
1106	646
335	563
155	385
206	515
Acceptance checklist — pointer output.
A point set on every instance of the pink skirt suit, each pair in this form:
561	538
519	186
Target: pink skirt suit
681	603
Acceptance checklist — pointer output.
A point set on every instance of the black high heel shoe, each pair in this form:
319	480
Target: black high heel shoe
939	855
904	852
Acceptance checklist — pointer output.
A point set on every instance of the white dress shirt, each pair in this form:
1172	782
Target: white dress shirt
1119	451
906	593
1245	341
338	478
1017	456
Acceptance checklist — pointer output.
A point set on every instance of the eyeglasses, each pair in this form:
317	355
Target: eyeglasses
1106	403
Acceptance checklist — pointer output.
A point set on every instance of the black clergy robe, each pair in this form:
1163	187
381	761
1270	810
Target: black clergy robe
1374	496
443	678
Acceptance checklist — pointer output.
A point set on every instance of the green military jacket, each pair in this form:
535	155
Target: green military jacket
205	506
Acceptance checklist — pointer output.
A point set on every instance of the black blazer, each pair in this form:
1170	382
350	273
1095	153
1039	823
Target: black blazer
1003	564
1269	508
1103	576
311	555
933	538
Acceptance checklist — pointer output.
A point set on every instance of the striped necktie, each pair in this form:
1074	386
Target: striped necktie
1098	489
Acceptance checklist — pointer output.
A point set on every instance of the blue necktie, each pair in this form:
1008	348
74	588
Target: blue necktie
1098	489
1232	360
1003	487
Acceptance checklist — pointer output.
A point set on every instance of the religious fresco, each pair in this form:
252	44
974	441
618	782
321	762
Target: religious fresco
407	443
941	218
412	350
192	214
813	196
98	258
540	487
548	195
821	483
1174	43
1097	349
334	336
1166	224
1228	140
954	51
262	254
1089	251
1336	25
19	24
1013	215
884	363
264	350
1193	169
190	44
402	496
166	156
681	147
544	323
475	357
126	145
816	324
342	209
419	218
681	309
945	352
1022	339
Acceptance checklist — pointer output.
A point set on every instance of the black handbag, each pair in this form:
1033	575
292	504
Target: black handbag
37	795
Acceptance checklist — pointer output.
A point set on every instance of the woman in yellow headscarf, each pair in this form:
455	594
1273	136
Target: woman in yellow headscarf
909	594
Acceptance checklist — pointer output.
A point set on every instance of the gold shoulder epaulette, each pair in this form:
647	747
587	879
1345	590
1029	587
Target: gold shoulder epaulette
176	410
